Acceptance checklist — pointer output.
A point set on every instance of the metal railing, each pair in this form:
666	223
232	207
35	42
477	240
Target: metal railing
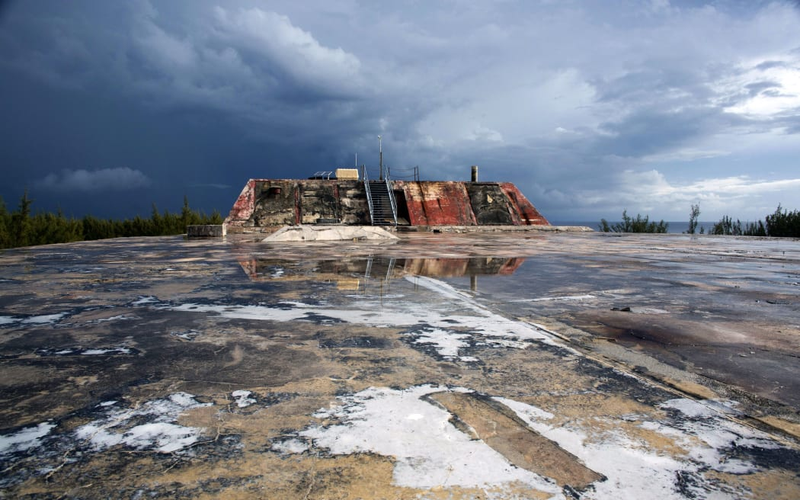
369	194
404	174
390	192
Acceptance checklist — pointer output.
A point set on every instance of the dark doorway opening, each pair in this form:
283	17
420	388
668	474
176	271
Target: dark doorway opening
403	218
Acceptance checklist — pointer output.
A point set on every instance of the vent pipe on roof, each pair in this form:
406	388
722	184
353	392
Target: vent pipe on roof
474	173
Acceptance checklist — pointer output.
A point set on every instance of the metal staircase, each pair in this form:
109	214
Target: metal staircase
380	198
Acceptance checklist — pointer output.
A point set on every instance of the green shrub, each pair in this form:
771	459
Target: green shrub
630	225
783	223
20	228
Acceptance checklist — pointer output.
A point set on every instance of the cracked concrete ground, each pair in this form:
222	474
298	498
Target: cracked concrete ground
501	365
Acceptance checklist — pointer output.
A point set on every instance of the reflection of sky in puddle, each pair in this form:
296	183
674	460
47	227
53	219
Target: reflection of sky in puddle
432	314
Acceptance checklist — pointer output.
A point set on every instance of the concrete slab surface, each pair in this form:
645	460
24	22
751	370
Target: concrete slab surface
480	365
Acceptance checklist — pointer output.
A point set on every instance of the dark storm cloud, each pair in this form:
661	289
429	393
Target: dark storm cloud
198	96
771	64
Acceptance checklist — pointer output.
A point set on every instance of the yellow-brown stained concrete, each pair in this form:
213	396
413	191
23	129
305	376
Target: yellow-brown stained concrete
501	429
127	335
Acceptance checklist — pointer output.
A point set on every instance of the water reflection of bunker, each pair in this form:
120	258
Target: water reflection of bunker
354	274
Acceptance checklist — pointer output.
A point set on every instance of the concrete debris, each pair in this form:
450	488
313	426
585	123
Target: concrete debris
330	233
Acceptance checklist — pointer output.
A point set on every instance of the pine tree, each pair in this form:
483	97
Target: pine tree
5	225
20	222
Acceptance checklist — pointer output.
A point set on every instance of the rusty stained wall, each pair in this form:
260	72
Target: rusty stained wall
277	202
472	266
243	206
523	212
260	269
432	203
437	203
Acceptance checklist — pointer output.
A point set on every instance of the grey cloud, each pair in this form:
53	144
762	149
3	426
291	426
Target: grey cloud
771	64
756	88
108	179
648	131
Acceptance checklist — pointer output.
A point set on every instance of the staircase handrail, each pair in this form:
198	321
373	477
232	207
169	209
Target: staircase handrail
369	194
391	197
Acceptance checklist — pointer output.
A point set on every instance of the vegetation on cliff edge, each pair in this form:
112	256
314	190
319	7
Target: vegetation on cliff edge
22	228
781	223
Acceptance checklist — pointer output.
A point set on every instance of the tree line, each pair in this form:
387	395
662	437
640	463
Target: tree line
781	224
630	225
22	227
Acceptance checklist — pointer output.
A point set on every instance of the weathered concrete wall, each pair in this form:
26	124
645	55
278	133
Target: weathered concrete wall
267	203
276	203
489	203
280	202
353	203
206	231
319	201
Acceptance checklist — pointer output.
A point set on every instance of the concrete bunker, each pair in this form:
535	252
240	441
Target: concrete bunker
265	204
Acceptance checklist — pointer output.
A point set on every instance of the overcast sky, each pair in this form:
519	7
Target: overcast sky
589	107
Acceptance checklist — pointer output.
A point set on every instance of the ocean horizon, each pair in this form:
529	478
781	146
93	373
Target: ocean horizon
676	227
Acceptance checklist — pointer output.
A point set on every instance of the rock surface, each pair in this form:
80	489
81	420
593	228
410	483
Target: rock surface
443	366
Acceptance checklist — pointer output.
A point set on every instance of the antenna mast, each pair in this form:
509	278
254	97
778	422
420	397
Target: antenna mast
380	152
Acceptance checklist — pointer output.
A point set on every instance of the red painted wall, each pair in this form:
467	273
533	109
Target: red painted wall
437	203
525	214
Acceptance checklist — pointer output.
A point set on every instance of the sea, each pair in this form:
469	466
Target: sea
674	227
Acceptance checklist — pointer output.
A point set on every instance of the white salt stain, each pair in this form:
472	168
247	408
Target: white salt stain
705	432
448	326
43	319
243	399
292	446
485	321
446	343
630	471
429	451
559	299
118	317
144	300
634	472
527	412
160	432
24	439
248	312
688	407
100	352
